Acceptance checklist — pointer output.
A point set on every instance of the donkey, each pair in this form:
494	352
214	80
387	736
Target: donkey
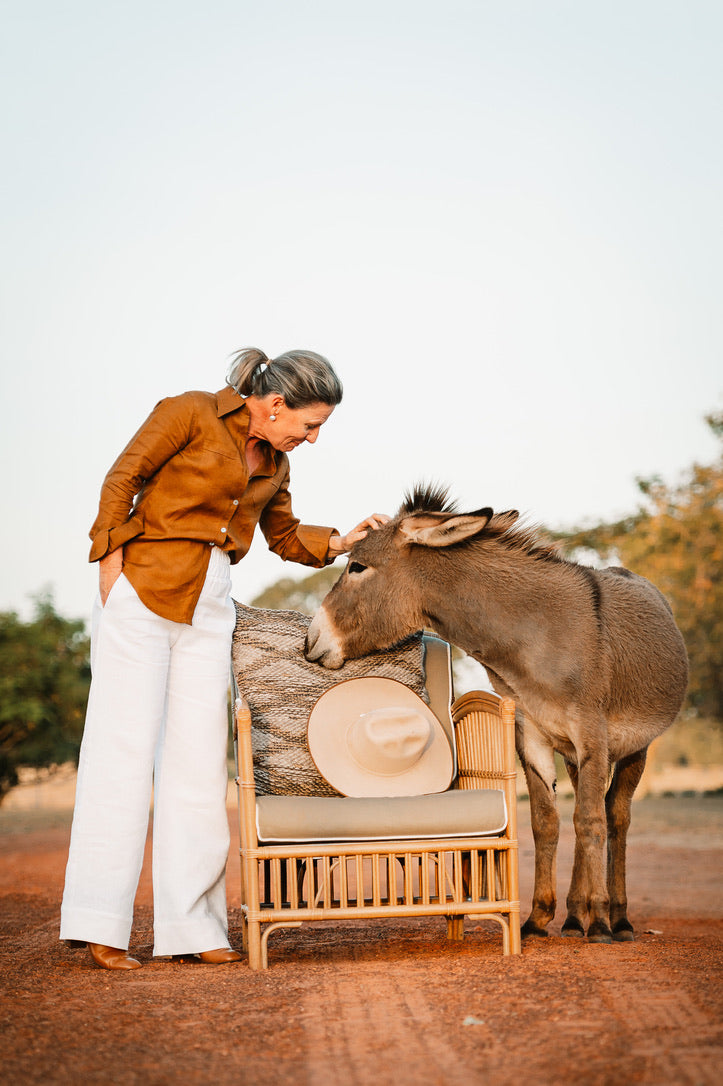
593	659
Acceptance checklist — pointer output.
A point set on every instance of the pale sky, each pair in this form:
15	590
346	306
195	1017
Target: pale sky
501	222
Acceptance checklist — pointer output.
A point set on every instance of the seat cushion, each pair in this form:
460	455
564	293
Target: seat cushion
282	686
290	819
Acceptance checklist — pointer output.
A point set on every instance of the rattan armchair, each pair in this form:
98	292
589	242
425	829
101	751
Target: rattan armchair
451	854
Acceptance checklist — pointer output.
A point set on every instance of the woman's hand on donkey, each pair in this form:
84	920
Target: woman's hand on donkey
341	544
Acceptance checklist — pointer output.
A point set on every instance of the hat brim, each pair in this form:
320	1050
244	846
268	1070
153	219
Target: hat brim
330	720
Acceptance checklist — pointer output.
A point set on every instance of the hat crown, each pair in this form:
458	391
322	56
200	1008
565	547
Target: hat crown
389	740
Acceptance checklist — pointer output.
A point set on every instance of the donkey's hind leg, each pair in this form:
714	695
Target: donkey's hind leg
579	893
618	800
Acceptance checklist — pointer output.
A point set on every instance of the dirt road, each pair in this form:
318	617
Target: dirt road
385	1002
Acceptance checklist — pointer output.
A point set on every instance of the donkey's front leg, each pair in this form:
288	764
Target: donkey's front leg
590	834
538	762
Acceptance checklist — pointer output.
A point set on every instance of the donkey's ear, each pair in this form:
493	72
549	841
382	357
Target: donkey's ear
445	529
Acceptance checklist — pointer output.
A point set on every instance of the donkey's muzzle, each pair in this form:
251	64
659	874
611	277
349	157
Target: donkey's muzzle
322	644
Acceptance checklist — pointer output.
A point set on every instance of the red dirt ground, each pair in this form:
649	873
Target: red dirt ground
380	1002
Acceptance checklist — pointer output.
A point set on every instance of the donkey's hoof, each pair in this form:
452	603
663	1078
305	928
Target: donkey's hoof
532	930
573	929
599	932
623	932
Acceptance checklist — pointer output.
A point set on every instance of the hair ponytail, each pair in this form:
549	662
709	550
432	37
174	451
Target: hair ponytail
300	377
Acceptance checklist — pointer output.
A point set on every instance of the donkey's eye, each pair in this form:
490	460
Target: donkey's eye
356	567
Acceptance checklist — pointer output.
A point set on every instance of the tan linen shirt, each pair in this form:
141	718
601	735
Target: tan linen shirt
182	485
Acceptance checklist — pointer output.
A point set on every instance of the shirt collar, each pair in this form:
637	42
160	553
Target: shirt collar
228	401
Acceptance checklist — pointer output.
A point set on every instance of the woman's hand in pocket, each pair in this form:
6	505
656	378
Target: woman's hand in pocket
110	569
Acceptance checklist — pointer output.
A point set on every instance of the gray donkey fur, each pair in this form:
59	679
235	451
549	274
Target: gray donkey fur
593	659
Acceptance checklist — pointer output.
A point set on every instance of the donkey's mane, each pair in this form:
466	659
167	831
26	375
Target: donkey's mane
523	538
427	498
504	527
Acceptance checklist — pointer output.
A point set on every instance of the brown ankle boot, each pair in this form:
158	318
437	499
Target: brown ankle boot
110	957
223	956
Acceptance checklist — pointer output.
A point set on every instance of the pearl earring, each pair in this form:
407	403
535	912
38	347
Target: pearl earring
272	418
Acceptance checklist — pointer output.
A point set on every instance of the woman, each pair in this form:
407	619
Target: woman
180	505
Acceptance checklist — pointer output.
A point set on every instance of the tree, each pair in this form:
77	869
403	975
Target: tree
44	680
675	539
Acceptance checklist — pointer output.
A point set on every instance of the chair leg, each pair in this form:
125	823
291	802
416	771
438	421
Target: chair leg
244	905
515	931
508	864
455	929
254	945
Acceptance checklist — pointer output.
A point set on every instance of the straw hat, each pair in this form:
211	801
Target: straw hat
376	737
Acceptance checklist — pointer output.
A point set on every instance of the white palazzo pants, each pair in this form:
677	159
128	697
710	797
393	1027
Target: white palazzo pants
157	721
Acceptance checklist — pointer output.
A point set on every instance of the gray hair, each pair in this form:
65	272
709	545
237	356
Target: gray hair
301	377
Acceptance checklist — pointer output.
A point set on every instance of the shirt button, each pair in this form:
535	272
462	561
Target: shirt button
235	501
223	529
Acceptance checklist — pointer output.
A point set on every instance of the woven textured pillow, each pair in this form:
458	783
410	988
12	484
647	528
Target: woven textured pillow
282	686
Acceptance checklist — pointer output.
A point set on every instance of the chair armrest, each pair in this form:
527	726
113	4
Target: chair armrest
245	771
242	737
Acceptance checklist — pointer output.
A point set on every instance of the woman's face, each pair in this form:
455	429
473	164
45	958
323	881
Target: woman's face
294	426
